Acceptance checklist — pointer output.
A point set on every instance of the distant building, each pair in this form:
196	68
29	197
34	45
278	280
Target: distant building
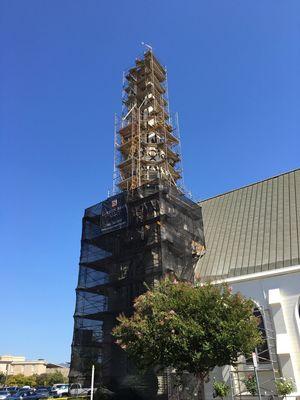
14	365
63	368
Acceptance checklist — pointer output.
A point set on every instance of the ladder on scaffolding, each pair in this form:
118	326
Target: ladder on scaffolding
266	386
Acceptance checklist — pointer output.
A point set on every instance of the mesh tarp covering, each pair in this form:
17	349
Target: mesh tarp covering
128	240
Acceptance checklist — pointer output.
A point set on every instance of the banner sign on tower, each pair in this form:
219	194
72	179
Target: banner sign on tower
113	214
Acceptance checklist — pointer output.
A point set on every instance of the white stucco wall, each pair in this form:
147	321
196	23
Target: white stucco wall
278	290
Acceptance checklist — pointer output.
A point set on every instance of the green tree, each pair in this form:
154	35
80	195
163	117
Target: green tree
2	378
49	379
42	380
21	380
57	377
189	328
46	379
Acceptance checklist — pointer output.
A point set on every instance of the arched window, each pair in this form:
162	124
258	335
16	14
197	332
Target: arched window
262	351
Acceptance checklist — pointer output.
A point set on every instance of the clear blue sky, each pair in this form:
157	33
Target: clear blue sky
233	77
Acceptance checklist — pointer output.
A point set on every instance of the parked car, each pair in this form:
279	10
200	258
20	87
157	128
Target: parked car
76	389
42	393
4	394
49	388
13	389
59	390
18	393
26	394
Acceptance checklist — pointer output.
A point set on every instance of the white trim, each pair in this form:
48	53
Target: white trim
259	275
274	296
283	344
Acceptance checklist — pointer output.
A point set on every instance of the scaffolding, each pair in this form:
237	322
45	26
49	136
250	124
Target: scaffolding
129	240
264	370
146	230
147	145
263	366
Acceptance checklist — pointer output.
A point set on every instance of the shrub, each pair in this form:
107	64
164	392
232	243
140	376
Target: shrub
21	380
221	389
251	384
49	379
285	386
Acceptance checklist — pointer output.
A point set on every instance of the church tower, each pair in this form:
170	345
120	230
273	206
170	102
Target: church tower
147	229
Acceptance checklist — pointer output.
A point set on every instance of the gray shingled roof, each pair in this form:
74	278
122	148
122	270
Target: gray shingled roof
252	229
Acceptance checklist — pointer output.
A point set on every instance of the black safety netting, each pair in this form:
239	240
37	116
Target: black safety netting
128	241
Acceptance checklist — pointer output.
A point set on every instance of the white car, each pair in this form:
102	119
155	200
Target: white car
59	390
76	390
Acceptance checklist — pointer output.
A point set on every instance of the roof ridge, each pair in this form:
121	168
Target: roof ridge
250	184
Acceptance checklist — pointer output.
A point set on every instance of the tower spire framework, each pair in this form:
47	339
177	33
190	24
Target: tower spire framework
146	142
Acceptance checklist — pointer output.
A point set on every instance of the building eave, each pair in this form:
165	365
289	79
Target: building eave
260	275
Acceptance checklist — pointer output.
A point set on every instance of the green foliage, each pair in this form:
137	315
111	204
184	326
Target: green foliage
21	380
189	328
221	389
251	384
43	380
285	386
2	378
49	379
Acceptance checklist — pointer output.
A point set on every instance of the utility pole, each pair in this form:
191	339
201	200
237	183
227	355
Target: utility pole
92	382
